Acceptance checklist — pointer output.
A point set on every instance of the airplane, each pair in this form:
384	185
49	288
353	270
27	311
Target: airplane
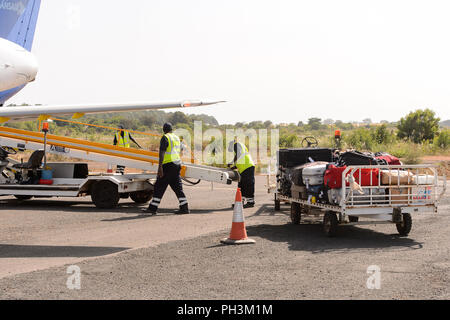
18	67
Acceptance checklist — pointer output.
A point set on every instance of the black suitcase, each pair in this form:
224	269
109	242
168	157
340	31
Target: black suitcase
289	158
356	158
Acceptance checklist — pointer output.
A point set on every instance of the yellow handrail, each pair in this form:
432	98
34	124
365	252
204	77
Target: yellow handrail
83	145
191	159
37	136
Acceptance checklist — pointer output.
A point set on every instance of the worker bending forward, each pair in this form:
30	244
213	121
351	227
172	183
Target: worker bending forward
246	167
169	172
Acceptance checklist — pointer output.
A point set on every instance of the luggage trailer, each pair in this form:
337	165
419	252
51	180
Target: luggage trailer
391	203
74	180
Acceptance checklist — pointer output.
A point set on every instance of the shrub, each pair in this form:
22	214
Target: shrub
288	141
413	156
360	139
419	126
443	140
383	136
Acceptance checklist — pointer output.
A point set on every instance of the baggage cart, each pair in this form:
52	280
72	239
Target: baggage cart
391	198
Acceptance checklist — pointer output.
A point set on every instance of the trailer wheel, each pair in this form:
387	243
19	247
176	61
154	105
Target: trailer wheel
23	198
141	197
353	219
105	195
404	227
296	213
330	223
277	205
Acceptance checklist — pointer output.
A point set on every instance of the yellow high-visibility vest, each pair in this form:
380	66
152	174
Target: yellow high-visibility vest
125	141
245	160
173	150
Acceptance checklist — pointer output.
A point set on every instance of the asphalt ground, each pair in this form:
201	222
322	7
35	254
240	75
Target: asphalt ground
122	255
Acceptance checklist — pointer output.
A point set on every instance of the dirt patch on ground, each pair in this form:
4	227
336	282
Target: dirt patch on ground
444	168
436	159
443	163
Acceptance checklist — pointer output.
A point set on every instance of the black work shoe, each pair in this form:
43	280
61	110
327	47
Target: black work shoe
184	209
249	205
148	211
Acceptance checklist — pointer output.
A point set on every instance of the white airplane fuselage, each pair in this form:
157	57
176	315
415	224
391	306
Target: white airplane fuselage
17	65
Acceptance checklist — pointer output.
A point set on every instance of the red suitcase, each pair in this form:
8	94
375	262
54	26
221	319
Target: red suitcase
390	160
333	177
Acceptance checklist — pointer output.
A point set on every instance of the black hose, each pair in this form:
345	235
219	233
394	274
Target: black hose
190	183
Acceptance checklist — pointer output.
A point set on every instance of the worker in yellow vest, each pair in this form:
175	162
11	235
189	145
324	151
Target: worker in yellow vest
244	164
123	139
169	170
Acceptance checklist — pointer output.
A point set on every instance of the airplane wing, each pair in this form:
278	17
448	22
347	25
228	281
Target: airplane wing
25	113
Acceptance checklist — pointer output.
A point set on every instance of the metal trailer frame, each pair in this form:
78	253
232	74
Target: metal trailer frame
136	186
392	207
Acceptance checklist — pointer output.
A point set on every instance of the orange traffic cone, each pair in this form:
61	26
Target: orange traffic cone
110	168
238	233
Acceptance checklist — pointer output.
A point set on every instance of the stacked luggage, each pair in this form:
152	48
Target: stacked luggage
356	158
313	180
388	159
292	162
364	177
316	174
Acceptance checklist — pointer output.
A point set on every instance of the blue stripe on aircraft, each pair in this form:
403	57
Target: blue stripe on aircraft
18	19
6	95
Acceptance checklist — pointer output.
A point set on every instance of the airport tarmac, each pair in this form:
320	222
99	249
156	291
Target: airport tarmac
124	256
43	233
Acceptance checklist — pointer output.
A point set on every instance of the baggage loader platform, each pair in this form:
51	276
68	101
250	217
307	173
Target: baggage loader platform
99	152
105	189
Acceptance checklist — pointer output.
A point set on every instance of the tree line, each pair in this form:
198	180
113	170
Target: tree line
420	127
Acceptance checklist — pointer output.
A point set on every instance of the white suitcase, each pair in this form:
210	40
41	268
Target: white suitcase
314	175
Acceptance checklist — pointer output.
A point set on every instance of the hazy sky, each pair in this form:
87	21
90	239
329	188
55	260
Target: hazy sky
283	60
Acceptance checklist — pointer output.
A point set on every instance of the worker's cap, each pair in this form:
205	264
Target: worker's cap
121	127
167	127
